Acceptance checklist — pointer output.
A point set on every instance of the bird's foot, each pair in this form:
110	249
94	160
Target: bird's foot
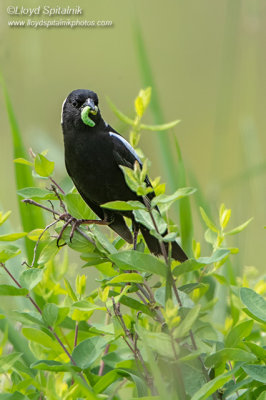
75	223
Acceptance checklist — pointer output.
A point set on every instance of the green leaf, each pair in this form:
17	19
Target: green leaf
193	265
259	351
43	166
238	332
48	252
36	193
139	107
10	237
239	228
189	287
51	365
31	277
84	305
7	252
130	178
160	127
254	303
126	278
257	372
232	354
142	101
86	352
70	291
159	342
163	199
62	314
210	387
139	261
105	381
132	303
103	241
77	207
144	218
4	217
13	396
123	205
8	290
50	314
139	382
38	336
26	318
188	322
208	221
225	215
23	161
38	234
262	395
78	242
93	259
6	361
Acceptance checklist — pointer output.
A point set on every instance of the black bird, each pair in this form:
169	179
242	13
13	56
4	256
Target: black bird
94	152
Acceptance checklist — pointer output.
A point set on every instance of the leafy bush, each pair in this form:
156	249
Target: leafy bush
153	328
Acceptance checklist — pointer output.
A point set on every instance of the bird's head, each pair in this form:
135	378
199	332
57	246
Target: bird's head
80	109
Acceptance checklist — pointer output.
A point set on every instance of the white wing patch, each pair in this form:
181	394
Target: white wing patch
63	110
128	146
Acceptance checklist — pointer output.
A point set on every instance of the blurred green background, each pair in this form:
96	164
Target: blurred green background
208	64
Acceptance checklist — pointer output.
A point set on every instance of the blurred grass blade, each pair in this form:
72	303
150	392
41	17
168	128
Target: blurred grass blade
18	341
31	217
168	161
185	217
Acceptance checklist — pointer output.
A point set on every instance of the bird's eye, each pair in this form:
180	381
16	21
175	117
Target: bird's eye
75	103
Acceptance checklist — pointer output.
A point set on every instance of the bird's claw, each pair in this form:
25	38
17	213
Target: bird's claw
69	220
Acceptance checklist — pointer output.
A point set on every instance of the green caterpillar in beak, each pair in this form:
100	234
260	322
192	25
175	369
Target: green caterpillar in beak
85	116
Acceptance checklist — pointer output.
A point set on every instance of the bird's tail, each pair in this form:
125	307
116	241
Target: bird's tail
155	248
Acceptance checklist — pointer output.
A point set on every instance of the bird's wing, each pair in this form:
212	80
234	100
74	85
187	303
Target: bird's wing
125	155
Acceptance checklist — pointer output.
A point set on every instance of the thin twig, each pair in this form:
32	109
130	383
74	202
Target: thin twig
34	203
142	298
56	184
143	291
62	204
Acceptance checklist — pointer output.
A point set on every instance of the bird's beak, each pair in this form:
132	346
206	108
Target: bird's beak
88	108
93	109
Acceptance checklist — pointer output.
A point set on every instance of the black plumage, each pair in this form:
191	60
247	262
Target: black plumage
94	152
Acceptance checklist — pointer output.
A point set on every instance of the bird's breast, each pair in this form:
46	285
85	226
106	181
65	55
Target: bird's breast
91	165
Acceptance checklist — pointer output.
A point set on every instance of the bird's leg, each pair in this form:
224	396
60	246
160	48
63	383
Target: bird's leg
78	222
68	218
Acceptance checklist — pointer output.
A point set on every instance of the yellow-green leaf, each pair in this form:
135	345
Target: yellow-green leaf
10	237
36	234
43	166
23	161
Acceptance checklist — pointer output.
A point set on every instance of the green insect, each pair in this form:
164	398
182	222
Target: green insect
85	116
